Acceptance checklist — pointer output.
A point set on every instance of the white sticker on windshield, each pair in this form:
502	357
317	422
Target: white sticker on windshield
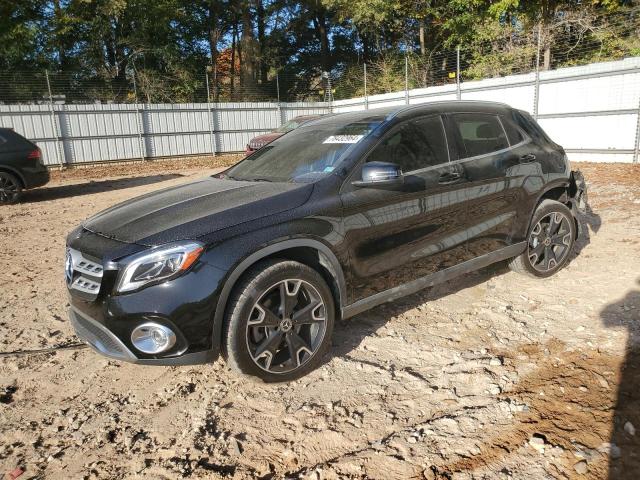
344	139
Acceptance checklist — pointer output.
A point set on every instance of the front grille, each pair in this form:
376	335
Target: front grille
99	337
83	274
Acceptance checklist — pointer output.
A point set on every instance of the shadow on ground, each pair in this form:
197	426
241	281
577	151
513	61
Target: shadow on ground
91	187
625	431
348	335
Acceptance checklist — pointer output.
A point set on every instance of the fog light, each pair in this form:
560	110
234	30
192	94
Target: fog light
153	338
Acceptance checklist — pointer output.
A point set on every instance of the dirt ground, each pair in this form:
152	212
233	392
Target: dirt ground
492	375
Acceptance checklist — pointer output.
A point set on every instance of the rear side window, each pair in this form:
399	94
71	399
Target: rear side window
480	133
12	141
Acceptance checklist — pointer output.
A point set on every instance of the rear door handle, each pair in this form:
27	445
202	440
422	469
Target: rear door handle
529	157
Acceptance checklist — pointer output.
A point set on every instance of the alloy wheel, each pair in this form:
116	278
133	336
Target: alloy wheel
286	326
549	242
9	189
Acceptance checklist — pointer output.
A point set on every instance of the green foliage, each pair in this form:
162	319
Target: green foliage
95	49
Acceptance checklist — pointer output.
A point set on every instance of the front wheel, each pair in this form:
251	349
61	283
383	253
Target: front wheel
279	321
551	238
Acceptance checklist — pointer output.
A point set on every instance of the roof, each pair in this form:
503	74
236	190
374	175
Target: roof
388	113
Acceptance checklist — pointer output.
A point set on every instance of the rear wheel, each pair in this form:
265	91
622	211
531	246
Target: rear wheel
550	241
279	321
10	188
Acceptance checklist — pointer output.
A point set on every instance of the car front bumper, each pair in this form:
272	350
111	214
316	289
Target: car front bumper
105	342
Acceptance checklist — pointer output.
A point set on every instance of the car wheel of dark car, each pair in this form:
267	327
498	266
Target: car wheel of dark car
10	188
551	238
279	321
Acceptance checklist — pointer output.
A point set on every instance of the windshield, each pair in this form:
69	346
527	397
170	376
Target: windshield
287	127
303	155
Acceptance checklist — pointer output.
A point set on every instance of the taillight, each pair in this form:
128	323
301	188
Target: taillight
34	154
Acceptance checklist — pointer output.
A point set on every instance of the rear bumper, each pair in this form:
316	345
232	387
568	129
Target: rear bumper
108	344
36	179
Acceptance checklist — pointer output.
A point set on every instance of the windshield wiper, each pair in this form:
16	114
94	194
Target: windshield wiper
260	179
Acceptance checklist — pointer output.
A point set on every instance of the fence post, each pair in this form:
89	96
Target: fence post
406	80
210	113
54	122
328	96
536	91
278	94
139	120
636	153
366	98
458	91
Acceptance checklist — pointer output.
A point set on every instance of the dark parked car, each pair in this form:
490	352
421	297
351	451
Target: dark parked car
21	166
336	217
261	140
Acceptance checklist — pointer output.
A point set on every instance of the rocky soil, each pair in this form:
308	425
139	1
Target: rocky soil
492	375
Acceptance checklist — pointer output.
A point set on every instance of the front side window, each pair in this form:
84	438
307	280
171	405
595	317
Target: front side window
415	145
303	155
480	133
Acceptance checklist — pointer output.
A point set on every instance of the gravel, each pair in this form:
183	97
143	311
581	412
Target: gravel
469	379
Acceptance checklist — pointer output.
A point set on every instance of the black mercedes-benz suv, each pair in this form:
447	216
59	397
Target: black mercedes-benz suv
331	219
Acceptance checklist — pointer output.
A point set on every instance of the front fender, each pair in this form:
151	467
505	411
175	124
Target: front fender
239	254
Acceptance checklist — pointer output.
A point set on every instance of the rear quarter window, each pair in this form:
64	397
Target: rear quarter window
529	125
514	134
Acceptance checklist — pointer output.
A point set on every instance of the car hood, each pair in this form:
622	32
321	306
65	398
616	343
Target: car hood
195	209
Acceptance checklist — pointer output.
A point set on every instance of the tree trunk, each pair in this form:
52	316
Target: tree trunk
262	64
59	37
547	13
248	51
423	43
232	70
215	32
325	51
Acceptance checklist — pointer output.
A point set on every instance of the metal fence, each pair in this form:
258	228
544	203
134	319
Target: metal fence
592	110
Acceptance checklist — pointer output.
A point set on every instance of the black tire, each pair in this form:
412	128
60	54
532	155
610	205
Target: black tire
258	341
547	251
10	189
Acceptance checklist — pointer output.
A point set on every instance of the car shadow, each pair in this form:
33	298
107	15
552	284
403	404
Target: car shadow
91	187
590	223
625	431
350	333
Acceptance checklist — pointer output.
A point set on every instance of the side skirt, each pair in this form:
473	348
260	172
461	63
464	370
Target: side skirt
433	279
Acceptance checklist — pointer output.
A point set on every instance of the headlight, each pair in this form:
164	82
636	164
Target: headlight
157	265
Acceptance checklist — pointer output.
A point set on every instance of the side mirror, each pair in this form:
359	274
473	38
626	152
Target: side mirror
376	174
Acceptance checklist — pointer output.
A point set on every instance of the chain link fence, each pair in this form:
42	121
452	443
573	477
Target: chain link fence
576	38
79	117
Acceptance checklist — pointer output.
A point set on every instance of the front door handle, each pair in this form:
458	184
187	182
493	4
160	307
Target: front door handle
529	157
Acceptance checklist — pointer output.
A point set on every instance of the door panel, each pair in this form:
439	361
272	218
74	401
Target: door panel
396	236
498	180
